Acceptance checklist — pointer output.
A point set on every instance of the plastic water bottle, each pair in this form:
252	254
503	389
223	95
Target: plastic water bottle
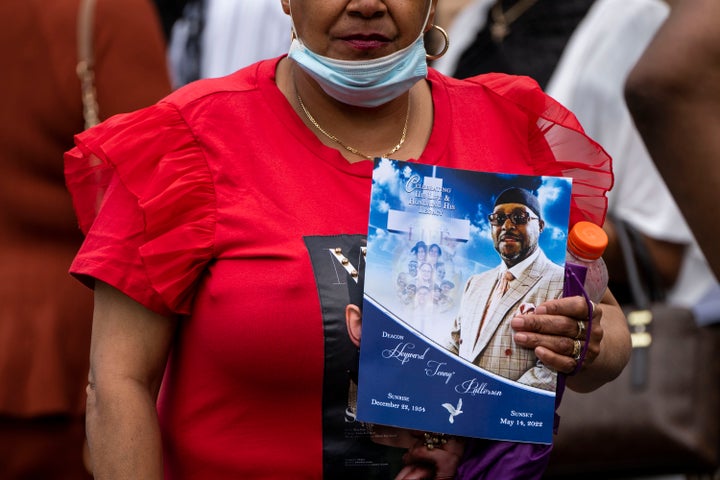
586	244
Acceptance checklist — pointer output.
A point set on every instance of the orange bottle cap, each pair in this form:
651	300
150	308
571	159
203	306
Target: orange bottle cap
587	240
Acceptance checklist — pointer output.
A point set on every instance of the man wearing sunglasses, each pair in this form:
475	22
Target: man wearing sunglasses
526	277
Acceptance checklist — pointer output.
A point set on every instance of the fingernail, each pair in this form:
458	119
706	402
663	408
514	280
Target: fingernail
521	337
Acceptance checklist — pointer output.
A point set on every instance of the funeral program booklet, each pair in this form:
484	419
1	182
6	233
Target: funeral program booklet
437	352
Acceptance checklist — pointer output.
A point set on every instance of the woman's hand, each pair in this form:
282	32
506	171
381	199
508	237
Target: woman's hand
556	330
432	460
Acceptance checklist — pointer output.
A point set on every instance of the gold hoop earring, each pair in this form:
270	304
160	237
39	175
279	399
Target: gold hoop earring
445	47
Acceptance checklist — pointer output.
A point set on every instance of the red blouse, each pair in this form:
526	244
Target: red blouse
213	204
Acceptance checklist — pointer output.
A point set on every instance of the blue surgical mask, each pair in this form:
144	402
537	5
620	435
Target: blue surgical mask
364	83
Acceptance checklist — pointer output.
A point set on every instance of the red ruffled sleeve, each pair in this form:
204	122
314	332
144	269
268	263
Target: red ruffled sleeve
560	146
141	187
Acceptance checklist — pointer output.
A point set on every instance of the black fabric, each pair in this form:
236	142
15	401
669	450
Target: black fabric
349	453
169	11
194	18
521	196
649	276
534	45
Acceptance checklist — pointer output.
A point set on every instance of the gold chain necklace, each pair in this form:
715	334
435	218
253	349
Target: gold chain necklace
500	27
348	147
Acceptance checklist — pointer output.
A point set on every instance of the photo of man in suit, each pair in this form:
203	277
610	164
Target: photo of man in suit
525	278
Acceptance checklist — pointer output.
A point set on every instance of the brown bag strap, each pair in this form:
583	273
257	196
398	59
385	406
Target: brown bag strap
85	63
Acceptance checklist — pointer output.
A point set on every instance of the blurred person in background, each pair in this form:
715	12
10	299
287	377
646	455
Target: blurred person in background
674	96
214	38
45	317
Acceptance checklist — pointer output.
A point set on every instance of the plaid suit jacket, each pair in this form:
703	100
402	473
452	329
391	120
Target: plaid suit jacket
493	348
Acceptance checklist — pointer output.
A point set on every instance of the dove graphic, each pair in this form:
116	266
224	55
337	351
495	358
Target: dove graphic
454	411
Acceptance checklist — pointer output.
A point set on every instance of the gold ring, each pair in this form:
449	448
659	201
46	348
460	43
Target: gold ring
581	330
577	349
434	440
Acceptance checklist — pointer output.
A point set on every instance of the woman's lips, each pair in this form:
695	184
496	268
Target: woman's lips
366	42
